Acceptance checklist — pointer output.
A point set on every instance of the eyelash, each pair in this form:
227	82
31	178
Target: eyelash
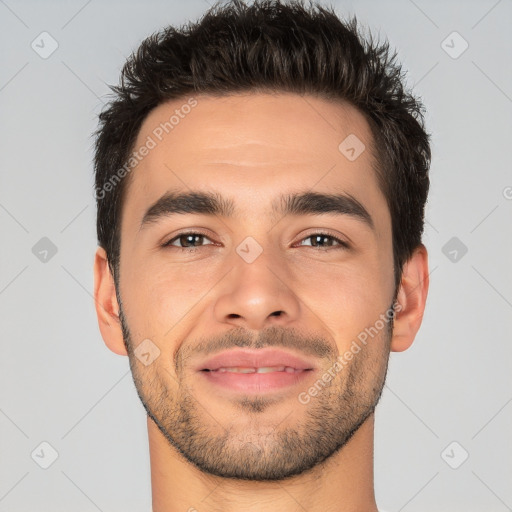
341	243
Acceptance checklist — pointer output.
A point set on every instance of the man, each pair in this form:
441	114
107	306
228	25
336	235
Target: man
261	177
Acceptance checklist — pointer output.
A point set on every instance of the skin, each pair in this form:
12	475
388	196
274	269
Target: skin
286	455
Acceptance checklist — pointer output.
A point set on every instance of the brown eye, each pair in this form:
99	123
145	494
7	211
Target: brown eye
324	240
187	241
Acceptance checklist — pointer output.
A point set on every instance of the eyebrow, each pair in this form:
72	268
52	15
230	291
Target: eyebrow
299	203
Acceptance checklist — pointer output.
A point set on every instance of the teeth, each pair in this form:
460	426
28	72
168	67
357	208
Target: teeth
263	369
241	370
268	369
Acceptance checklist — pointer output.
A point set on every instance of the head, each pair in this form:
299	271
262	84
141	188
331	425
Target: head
261	177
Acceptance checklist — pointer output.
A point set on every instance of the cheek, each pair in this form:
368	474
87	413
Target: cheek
346	298
160	296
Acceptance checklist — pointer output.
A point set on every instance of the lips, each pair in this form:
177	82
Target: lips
262	369
255	361
255	372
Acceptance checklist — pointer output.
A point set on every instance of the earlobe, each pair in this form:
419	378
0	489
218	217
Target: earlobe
107	307
411	299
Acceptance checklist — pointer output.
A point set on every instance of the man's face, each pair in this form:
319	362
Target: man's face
257	277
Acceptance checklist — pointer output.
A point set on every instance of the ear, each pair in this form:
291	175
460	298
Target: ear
107	307
411	298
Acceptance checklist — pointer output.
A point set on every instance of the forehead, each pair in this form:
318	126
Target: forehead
249	146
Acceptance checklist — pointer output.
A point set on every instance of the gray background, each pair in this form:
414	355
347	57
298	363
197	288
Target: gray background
62	386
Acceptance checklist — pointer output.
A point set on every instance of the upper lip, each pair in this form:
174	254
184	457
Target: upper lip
251	358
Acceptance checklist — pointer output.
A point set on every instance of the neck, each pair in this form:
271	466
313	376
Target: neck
343	483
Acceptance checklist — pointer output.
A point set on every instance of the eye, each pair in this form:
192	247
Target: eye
189	240
321	240
192	240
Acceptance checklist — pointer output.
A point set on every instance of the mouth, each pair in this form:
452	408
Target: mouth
255	380
266	360
255	371
263	369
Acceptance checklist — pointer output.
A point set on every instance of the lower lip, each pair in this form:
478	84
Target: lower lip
256	382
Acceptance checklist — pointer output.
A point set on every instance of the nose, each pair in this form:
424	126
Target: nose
257	295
